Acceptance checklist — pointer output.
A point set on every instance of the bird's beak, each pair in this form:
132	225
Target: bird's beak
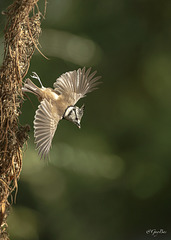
78	125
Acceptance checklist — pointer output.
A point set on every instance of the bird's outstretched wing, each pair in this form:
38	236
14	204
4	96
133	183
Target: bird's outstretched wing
76	84
45	125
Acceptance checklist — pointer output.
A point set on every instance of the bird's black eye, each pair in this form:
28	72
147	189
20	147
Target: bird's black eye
70	113
76	118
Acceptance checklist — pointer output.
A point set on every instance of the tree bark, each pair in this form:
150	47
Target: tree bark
21	37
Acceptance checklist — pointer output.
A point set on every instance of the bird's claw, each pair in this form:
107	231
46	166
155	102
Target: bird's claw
35	75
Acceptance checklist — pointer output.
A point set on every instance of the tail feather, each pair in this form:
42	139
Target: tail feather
29	86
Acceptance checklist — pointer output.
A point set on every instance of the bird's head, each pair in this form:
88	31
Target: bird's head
74	114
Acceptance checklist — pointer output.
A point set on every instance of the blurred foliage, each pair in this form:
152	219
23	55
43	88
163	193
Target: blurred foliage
111	179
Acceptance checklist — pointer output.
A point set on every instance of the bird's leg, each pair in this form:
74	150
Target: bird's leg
37	77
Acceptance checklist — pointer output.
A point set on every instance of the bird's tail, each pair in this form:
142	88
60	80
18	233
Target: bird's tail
29	86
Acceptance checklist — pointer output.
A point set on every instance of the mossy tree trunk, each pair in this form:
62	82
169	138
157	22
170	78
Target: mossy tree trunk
21	37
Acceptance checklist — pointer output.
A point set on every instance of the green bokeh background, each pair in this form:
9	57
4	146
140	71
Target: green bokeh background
111	179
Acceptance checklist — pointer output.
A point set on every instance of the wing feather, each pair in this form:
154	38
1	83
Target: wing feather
76	84
45	125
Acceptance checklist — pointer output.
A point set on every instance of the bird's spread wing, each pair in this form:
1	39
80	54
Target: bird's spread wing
45	125
76	84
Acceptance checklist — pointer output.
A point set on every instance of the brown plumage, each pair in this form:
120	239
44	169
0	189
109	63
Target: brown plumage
59	103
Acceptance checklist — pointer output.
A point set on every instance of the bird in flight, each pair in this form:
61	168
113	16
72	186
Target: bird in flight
59	103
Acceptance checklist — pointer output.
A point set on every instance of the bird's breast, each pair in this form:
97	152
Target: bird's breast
59	103
49	94
55	96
